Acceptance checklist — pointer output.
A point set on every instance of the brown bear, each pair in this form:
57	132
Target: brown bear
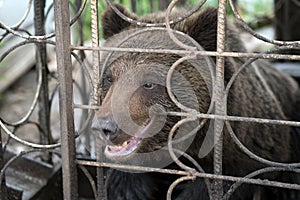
138	113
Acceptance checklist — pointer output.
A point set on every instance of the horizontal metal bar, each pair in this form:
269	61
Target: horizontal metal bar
214	116
237	118
185	52
256	181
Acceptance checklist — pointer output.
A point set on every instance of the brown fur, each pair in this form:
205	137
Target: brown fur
259	91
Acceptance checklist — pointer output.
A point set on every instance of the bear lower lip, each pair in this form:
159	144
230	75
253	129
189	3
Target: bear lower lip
124	149
129	146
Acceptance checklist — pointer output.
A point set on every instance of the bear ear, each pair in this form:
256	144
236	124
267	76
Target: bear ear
203	28
112	23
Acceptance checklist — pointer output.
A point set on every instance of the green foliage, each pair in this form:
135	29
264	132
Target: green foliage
251	10
257	13
86	19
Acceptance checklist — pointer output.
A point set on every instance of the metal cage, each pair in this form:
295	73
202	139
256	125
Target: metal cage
68	53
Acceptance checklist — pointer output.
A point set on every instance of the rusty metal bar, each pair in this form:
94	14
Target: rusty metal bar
64	66
222	117
96	94
41	64
3	191
239	180
267	55
176	182
220	101
96	54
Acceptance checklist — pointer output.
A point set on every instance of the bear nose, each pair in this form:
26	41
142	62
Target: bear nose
107	126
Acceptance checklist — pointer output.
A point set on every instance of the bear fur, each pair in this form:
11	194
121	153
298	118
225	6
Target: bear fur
259	91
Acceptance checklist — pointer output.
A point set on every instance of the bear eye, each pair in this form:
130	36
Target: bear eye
149	86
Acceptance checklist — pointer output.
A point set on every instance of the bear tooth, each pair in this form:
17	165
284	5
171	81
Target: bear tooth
115	148
124	143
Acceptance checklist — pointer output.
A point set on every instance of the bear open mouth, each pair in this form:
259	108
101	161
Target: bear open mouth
126	148
129	146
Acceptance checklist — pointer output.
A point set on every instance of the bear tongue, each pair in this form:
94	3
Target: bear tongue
124	149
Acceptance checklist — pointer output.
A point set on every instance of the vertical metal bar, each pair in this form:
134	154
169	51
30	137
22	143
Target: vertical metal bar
96	94
96	54
1	151
133	5
64	65
217	190
151	6
100	171
163	4
80	30
3	192
41	63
